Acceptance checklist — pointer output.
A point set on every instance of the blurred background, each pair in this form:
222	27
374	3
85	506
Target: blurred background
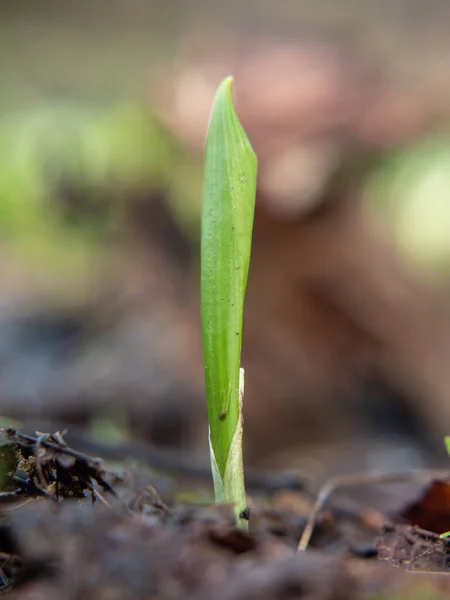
103	113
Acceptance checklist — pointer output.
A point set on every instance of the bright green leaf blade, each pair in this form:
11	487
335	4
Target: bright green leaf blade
227	221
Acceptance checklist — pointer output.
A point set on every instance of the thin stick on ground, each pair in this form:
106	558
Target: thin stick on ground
332	484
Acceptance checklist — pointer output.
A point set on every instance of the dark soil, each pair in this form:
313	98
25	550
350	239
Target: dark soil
71	528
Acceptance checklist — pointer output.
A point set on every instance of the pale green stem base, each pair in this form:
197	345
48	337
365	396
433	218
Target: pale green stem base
230	489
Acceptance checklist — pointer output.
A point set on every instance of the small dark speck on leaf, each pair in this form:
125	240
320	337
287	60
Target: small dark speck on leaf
245	514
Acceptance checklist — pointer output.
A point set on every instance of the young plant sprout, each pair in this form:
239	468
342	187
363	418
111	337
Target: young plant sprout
229	191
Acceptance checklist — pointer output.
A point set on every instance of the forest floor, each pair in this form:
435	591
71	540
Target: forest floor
73	528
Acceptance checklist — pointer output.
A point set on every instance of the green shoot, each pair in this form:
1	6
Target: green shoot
229	192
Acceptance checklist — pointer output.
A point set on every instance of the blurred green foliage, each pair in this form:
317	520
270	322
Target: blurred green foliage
66	172
411	191
110	425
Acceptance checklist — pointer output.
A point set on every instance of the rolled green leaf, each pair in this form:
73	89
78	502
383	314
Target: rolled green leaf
227	221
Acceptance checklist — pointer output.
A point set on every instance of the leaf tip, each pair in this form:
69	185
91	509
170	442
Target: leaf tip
228	81
225	87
